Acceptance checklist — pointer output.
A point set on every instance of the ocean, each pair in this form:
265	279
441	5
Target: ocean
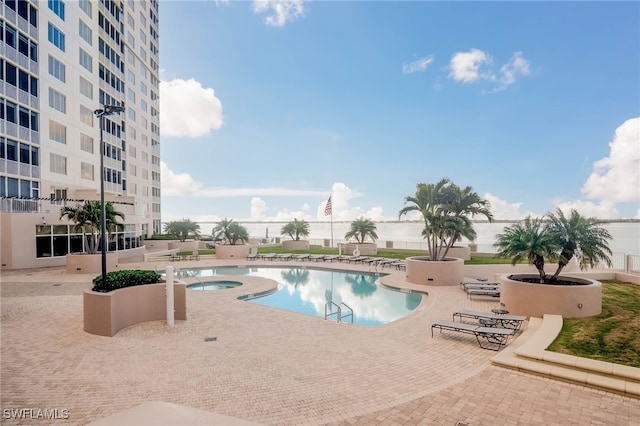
408	235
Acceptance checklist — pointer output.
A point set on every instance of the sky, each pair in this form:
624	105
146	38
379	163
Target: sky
269	107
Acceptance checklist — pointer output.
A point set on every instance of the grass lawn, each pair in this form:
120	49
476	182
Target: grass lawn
612	336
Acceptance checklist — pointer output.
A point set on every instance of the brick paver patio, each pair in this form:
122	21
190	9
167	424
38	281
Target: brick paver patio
271	366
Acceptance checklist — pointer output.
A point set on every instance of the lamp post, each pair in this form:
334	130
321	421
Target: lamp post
101	113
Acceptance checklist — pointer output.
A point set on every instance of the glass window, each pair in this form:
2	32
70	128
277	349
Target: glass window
85	32
57	132
57	6
43	245
24	153
11	115
12	74
55	36
10	36
86	143
35	158
58	163
23	81
23	116
86	60
57	100
56	68
12	150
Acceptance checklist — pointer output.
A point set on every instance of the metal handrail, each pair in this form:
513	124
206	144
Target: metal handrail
350	314
338	313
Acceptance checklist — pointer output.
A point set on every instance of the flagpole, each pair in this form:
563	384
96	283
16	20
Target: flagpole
331	228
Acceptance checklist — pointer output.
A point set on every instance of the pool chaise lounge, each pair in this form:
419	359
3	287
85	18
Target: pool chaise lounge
493	338
504	321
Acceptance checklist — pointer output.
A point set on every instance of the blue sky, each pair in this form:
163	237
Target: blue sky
268	107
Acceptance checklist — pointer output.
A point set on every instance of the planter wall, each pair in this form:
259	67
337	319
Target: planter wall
90	263
231	251
107	313
421	270
535	300
184	245
366	249
295	245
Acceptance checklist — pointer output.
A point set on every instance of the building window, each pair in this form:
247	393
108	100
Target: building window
86	143
57	6
86	88
86	115
56	37
57	68
58	164
85	32
85	6
57	100
57	132
86	171
86	60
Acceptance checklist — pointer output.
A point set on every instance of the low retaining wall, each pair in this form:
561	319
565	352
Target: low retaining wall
90	263
107	313
288	245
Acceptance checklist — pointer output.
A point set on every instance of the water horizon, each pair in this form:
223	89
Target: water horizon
408	234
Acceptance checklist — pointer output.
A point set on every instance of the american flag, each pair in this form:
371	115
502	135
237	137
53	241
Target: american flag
327	207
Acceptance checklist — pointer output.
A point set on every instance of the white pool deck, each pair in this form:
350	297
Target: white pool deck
269	366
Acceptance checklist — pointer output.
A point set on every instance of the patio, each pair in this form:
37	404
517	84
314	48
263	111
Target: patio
270	366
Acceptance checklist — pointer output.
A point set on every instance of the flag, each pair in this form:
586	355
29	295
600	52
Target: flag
327	207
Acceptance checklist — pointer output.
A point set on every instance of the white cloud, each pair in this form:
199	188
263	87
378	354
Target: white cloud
181	184
603	210
417	66
282	11
517	66
465	66
616	178
258	209
187	109
502	209
184	185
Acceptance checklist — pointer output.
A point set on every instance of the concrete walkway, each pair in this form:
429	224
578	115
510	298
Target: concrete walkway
270	366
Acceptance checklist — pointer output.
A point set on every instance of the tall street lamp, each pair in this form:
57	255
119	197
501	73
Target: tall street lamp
101	113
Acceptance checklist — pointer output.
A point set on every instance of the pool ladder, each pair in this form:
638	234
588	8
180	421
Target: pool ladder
338	312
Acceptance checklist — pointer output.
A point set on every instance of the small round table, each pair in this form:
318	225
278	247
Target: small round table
488	322
499	311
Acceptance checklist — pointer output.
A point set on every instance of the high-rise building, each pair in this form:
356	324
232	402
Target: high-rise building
60	62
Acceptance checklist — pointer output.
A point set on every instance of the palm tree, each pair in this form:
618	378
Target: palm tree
296	229
87	218
529	240
361	229
446	210
581	237
231	232
182	228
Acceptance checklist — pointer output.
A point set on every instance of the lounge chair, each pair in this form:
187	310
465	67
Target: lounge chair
466	285
316	257
493	338
483	292
195	255
504	321
174	256
269	256
284	256
253	254
300	257
330	257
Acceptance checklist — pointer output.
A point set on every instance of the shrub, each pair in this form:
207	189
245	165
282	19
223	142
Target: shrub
126	278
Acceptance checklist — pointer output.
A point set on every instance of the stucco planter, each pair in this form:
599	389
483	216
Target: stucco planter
184	245
295	245
107	313
83	263
535	300
232	251
421	270
365	249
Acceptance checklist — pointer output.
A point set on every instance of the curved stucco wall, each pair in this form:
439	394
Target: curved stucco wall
83	263
535	300
231	251
420	270
107	313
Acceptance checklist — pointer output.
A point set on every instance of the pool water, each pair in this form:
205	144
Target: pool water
308	290
214	285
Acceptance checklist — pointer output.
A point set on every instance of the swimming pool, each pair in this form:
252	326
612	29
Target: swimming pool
308	290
